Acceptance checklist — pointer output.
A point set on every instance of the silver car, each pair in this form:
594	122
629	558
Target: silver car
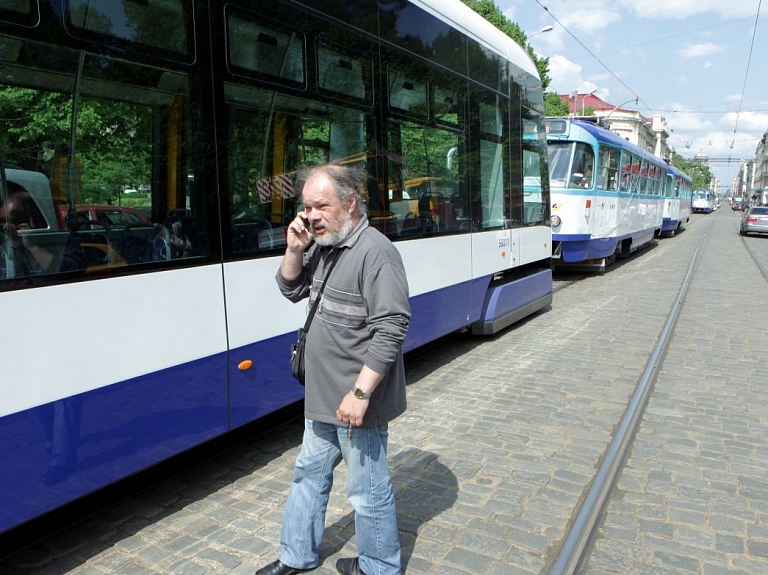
754	220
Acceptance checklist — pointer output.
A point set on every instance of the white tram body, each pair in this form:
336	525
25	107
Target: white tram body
677	201
607	195
703	202
125	352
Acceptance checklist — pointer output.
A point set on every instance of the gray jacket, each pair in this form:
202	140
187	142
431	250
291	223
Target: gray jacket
362	319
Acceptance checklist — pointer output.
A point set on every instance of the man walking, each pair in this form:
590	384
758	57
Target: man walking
355	379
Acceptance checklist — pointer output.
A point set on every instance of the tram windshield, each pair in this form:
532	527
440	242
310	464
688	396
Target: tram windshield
571	165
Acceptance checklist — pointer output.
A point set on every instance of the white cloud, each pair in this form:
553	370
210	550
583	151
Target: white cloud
566	75
746	120
681	9
696	50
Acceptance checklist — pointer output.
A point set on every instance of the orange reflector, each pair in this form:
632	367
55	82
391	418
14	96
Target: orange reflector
589	203
503	254
245	364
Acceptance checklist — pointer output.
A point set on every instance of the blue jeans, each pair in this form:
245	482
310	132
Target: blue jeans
369	490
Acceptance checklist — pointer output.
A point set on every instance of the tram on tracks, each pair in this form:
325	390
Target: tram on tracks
703	202
677	201
130	341
607	194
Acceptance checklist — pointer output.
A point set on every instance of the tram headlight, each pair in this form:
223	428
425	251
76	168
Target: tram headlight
555	221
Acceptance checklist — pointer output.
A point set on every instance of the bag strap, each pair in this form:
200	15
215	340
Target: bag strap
320	293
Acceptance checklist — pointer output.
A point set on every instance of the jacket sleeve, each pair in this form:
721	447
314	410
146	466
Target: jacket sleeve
297	289
385	292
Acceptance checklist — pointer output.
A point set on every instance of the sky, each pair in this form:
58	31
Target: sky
703	64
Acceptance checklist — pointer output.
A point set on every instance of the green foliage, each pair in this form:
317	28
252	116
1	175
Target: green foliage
113	138
555	106
699	172
488	10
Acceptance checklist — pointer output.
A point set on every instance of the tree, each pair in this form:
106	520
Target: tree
699	172
488	10
114	139
555	106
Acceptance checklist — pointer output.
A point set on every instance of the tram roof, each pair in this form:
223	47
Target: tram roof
606	136
463	18
677	171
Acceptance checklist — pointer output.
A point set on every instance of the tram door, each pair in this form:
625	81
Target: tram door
269	129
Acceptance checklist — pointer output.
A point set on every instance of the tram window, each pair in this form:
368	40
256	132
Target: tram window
146	24
559	157
262	48
270	134
446	106
644	181
24	12
343	75
535	171
490	202
407	95
582	168
626	172
133	135
487	67
432	201
609	167
420	32
634	175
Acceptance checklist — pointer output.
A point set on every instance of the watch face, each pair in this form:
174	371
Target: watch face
360	394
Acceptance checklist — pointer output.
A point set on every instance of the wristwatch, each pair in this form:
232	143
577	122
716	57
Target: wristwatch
360	394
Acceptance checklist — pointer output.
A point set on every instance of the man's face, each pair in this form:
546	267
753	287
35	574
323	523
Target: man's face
12	215
330	221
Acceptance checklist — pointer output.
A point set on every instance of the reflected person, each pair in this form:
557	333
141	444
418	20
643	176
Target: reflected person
20	214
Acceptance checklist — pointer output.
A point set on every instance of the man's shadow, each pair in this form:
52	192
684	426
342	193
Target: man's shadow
424	488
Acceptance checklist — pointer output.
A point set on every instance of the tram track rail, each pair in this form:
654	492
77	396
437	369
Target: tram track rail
580	536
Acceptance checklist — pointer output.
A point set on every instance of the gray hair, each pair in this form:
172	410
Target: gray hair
345	181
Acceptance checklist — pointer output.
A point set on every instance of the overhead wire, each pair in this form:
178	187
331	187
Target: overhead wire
738	113
611	72
746	73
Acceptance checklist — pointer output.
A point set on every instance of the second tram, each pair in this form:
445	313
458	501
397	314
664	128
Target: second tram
677	201
607	194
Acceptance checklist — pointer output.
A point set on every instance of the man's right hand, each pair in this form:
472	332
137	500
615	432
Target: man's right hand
297	238
299	234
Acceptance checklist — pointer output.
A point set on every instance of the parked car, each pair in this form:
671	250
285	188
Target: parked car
738	204
111	216
754	220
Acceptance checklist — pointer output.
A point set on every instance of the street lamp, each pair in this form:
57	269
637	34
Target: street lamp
542	31
584	100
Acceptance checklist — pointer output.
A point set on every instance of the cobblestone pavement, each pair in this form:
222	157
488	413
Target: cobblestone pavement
693	497
502	438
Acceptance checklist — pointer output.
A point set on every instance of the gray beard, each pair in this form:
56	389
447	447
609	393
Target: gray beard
335	237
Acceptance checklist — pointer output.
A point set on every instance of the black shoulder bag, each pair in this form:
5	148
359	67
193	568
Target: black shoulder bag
297	349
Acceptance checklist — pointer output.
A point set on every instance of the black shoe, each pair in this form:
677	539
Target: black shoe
350	566
279	568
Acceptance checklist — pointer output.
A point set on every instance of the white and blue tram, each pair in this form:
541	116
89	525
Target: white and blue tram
607	194
677	201
122	351
703	202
